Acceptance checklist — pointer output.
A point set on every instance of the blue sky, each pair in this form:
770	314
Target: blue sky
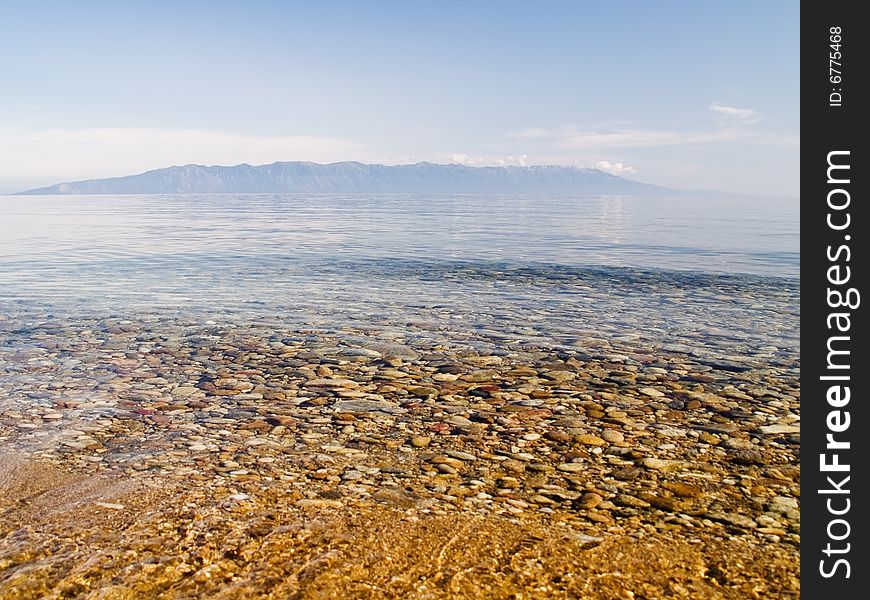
684	94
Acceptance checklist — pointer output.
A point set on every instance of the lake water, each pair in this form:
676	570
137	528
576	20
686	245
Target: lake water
198	365
724	235
506	267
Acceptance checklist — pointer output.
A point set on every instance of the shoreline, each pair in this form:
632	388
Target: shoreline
612	445
177	543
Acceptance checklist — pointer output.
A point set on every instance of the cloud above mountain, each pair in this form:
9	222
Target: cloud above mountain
616	168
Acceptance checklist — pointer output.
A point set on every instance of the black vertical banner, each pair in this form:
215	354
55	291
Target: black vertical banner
834	224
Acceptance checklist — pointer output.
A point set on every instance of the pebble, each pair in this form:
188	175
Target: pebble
746	456
367	406
558	436
681	489
601	430
319	503
658	464
458	421
651	392
587	439
332	383
783	504
590	500
734	519
612	436
630	501
778	429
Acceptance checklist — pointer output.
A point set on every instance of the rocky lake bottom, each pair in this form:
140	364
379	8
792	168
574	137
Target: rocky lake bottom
465	432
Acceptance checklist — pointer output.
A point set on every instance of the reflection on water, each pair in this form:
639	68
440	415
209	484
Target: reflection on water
704	234
501	268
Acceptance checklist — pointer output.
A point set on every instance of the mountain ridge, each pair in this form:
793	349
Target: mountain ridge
355	177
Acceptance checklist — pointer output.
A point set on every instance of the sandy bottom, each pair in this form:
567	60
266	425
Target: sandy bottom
64	536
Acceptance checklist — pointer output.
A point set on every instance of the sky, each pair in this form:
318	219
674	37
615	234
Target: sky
685	94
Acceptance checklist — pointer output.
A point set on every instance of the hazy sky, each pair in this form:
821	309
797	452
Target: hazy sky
685	94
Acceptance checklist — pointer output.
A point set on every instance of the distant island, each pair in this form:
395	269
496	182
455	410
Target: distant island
356	177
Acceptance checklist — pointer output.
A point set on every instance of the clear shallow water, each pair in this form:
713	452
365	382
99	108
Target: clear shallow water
724	235
497	268
119	317
111	303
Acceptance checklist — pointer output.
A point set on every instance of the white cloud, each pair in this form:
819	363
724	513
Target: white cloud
519	161
730	128
571	139
627	138
616	168
465	159
487	160
745	116
68	154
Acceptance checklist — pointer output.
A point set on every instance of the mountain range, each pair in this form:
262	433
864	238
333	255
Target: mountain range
356	177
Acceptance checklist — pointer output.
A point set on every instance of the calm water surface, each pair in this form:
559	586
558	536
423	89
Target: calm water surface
512	266
705	234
